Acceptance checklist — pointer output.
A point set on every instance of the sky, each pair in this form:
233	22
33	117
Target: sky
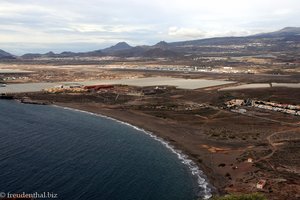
39	26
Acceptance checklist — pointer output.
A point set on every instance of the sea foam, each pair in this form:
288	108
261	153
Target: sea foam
204	187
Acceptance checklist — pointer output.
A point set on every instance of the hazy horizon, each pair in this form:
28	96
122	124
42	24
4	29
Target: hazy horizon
77	25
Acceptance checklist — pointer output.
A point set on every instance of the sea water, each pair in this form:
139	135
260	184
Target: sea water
77	155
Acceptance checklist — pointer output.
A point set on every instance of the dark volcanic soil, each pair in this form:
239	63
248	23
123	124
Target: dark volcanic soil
219	140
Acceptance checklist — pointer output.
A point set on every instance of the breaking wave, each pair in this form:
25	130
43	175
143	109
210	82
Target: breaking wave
204	188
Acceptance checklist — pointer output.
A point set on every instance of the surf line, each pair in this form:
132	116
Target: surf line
205	189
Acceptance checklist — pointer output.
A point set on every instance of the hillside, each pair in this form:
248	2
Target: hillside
118	47
5	55
284	40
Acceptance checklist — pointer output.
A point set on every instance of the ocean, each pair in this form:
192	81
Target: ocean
77	155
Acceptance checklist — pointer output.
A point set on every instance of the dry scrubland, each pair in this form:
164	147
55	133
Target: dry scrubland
236	147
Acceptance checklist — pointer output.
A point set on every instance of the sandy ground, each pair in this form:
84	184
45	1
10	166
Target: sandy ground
218	140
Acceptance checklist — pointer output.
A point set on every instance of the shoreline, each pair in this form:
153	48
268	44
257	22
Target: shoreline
219	141
204	185
204	173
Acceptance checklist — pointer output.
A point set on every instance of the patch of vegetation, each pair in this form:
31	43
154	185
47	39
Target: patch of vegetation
254	196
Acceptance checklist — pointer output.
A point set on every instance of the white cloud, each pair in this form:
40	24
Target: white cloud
282	12
107	21
186	33
80	27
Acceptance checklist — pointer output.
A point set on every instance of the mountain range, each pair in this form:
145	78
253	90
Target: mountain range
5	55
284	40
